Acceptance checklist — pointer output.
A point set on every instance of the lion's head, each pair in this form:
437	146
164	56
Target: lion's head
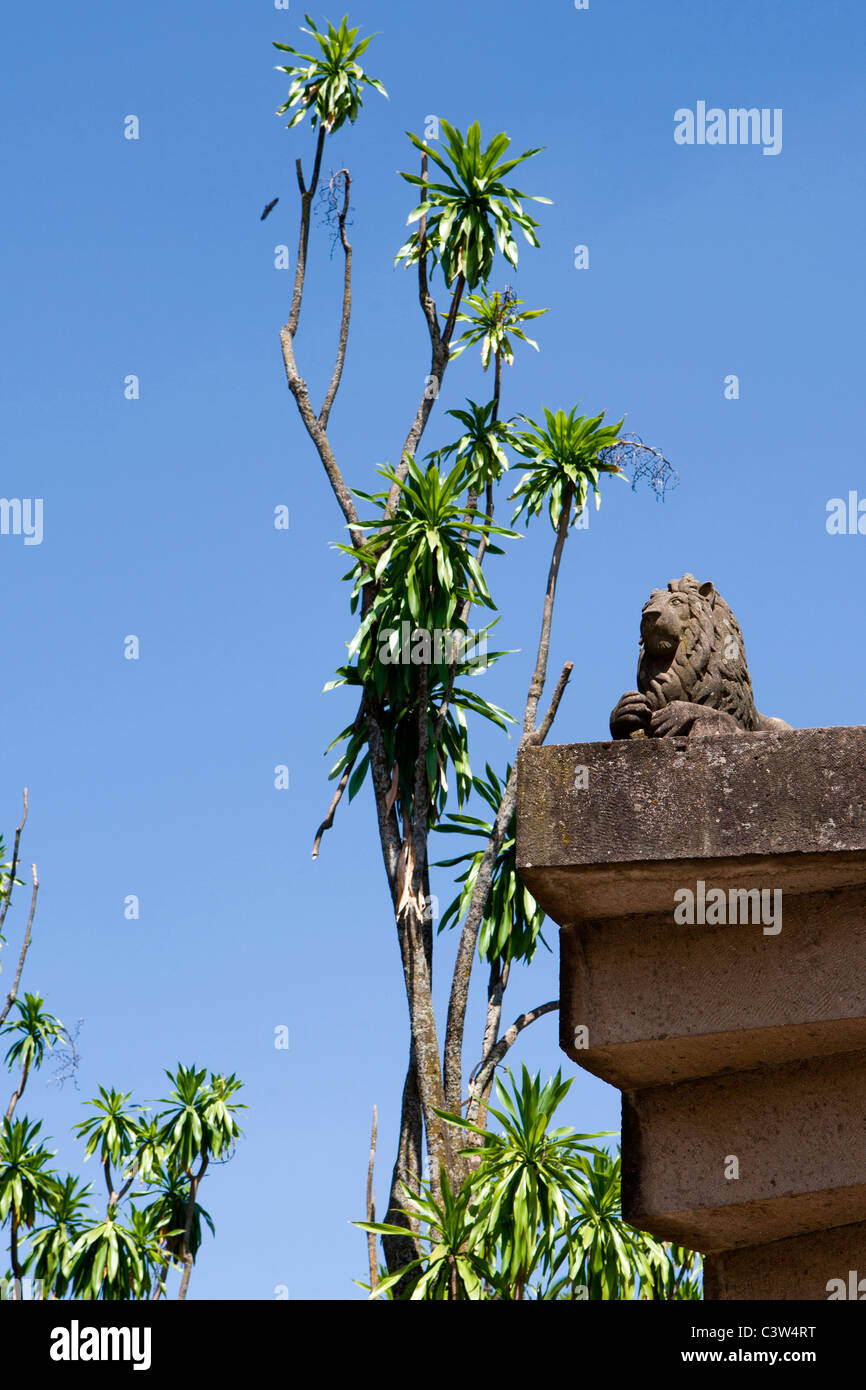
690	633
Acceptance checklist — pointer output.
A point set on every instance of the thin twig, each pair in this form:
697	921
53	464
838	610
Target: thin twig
341	787
7	896
10	997
498	1051
18	1093
347	302
315	427
371	1206
539	675
298	388
544	727
304	237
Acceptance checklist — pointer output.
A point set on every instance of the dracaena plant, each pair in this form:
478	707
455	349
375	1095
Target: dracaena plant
420	559
567	458
418	567
419	574
35	1032
65	1210
472	212
599	1251
481	447
328	84
453	1265
526	1173
26	1181
495	319
148	1158
538	1217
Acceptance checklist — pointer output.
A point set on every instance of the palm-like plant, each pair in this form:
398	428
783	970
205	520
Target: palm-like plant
539	1218
151	1152
420	552
37	1031
114	1132
473	211
567	458
200	1123
51	1246
676	1273
200	1119
608	1257
329	84
496	319
26	1181
149	1237
452	1267
481	447
420	568
526	1176
168	1213
107	1261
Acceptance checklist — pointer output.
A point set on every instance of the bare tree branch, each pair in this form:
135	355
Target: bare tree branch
315	424
484	1073
298	388
544	727
325	412
539	675
341	787
7	896
371	1207
496	987
304	237
11	996
18	1093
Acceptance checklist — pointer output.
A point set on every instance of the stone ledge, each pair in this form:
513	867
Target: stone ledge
656	812
798	1268
798	1133
663	1003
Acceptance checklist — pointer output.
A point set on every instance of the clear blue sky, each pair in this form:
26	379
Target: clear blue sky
155	777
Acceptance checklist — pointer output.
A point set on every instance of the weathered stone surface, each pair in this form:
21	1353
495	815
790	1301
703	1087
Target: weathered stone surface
662	1002
656	814
797	1133
801	1267
742	1040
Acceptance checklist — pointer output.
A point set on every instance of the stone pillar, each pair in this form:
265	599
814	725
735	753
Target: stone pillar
738	1040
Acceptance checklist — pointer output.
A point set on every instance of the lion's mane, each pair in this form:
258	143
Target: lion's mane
709	664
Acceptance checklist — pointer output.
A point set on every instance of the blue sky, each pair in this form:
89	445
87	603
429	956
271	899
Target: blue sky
155	777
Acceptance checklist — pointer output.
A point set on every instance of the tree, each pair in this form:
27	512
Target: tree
159	1159
416	573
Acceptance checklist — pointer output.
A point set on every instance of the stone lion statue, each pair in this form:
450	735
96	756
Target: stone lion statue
692	675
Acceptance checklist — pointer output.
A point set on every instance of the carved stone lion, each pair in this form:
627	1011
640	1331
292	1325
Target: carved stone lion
692	675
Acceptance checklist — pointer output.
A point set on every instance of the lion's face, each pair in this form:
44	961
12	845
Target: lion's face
664	619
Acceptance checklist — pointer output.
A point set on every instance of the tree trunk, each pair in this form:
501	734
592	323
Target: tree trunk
399	1251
